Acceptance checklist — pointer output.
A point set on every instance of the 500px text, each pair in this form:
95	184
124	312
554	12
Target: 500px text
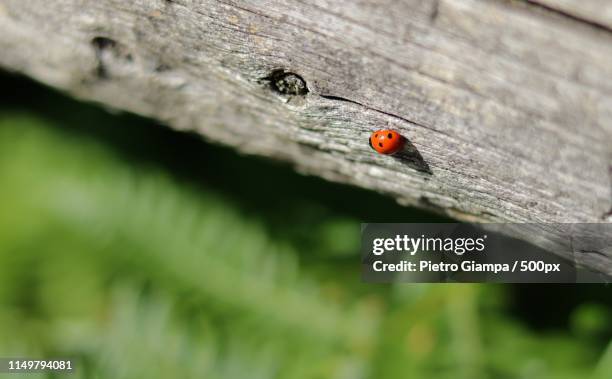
466	266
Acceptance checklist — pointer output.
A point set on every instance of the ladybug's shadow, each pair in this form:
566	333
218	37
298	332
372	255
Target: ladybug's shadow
411	157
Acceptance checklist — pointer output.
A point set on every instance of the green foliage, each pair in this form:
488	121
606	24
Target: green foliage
143	268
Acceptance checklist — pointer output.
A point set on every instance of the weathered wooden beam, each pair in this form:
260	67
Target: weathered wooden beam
507	105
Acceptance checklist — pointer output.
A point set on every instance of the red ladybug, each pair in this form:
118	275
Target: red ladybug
387	141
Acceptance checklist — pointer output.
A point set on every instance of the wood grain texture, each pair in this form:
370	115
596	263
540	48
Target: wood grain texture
507	105
596	12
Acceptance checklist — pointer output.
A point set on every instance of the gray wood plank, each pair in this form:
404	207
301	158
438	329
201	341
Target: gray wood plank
508	108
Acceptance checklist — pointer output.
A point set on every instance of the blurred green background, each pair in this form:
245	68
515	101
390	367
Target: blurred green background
146	253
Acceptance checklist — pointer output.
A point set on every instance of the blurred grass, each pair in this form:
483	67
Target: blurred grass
146	253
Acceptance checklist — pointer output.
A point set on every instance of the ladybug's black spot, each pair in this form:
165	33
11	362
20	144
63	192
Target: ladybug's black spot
376	135
389	135
380	144
370	142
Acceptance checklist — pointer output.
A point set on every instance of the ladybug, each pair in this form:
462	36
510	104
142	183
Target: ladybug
387	141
